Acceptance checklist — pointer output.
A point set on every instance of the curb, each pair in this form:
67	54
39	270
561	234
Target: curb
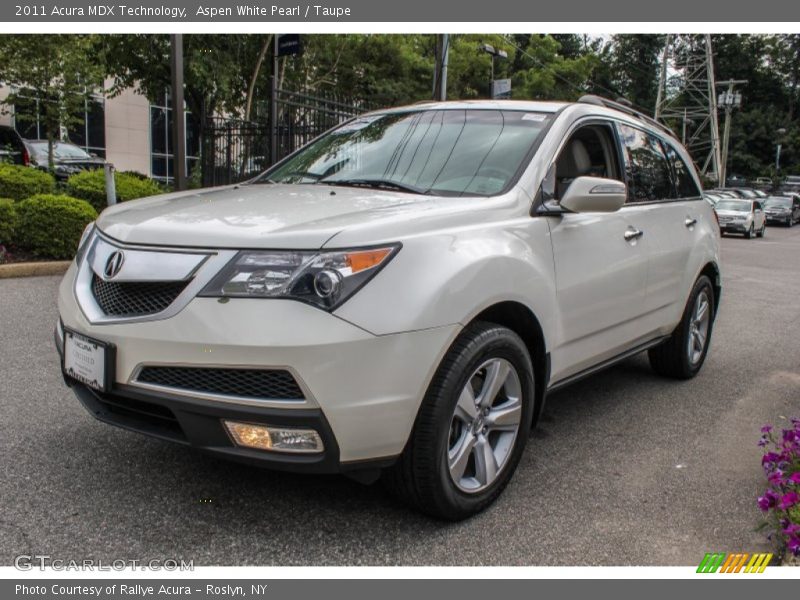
34	269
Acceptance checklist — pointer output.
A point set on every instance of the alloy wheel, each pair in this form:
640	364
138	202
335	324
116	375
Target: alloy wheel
485	425
698	327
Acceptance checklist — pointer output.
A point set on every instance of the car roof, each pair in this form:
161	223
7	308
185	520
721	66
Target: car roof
521	105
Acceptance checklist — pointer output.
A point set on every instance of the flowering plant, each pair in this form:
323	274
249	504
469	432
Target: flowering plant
781	500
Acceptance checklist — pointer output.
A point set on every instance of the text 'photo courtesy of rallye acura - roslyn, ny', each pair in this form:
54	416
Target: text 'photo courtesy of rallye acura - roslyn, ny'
397	298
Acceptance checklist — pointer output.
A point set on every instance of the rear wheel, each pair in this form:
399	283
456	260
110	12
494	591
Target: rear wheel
471	428
683	354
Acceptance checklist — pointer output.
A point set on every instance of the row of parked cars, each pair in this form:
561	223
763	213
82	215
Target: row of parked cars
68	158
748	211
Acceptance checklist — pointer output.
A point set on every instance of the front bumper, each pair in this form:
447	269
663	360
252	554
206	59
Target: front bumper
784	219
361	391
733	227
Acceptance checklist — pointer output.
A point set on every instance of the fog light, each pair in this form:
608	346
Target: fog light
274	439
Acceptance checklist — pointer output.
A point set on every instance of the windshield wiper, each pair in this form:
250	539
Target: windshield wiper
376	183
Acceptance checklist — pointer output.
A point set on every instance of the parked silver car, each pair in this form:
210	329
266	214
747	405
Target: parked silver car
741	215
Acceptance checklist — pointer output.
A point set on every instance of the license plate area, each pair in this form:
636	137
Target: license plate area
88	360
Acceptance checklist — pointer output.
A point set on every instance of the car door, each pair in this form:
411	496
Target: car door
600	261
665	199
759	216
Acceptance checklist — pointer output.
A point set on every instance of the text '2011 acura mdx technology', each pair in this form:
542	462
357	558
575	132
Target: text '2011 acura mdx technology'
398	297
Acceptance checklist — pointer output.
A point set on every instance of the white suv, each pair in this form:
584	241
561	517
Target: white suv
400	295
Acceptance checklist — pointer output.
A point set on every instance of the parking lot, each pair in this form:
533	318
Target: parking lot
626	467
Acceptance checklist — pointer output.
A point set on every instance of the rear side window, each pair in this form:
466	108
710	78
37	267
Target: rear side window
685	184
647	169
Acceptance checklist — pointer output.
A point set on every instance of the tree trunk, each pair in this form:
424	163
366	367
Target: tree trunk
254	78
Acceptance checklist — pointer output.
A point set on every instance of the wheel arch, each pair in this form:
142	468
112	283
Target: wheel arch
521	320
711	270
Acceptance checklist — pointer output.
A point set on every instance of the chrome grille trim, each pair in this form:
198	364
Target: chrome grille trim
206	264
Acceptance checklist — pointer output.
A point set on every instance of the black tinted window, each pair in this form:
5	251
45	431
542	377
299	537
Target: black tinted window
646	166
684	182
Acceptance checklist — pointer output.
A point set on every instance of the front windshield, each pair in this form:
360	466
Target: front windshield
778	203
734	205
440	152
60	151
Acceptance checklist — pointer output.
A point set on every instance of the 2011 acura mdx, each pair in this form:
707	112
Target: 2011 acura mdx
400	295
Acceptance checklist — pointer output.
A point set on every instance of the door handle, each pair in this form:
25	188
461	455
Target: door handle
689	222
633	234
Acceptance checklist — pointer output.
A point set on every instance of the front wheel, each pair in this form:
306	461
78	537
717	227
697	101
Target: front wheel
749	234
682	355
472	426
763	231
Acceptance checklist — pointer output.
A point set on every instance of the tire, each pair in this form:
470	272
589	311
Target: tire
423	476
749	233
674	358
763	231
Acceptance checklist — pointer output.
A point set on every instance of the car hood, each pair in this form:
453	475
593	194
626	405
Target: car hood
732	213
280	216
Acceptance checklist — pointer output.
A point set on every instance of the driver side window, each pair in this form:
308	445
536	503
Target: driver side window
590	150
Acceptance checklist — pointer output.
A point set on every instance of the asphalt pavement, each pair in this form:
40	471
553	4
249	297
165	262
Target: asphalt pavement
626	468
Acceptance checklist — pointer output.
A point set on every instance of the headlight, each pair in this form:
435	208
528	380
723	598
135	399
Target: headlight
83	244
323	278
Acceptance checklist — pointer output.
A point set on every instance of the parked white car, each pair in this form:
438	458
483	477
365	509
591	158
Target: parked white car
742	215
400	295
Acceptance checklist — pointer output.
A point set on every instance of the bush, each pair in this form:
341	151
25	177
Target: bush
51	225
8	218
91	186
18	183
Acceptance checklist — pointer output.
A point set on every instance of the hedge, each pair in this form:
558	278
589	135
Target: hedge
18	182
91	186
8	218
51	225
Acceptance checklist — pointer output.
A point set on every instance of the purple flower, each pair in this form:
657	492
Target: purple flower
768	500
776	477
792	529
794	478
789	436
762	442
789	500
770	458
794	546
766	429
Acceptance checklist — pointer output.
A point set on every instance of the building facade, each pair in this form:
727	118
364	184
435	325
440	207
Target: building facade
129	130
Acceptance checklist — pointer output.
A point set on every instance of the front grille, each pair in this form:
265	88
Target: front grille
265	384
135	298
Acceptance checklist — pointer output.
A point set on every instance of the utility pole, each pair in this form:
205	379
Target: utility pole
729	100
178	114
440	68
687	93
273	104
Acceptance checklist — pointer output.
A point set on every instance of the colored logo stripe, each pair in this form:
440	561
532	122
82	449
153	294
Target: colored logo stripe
734	563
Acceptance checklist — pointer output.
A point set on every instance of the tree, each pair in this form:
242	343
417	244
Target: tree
60	72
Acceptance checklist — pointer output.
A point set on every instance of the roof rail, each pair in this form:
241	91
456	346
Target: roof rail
624	105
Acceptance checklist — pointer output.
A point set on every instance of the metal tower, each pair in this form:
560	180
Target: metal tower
687	98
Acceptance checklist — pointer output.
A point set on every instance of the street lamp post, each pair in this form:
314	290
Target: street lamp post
494	53
781	132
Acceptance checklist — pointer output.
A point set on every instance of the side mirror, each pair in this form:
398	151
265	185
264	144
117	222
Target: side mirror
594	194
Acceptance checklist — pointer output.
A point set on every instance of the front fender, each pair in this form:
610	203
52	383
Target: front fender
448	277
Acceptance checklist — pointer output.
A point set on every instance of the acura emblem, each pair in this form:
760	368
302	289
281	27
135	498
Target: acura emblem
114	264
